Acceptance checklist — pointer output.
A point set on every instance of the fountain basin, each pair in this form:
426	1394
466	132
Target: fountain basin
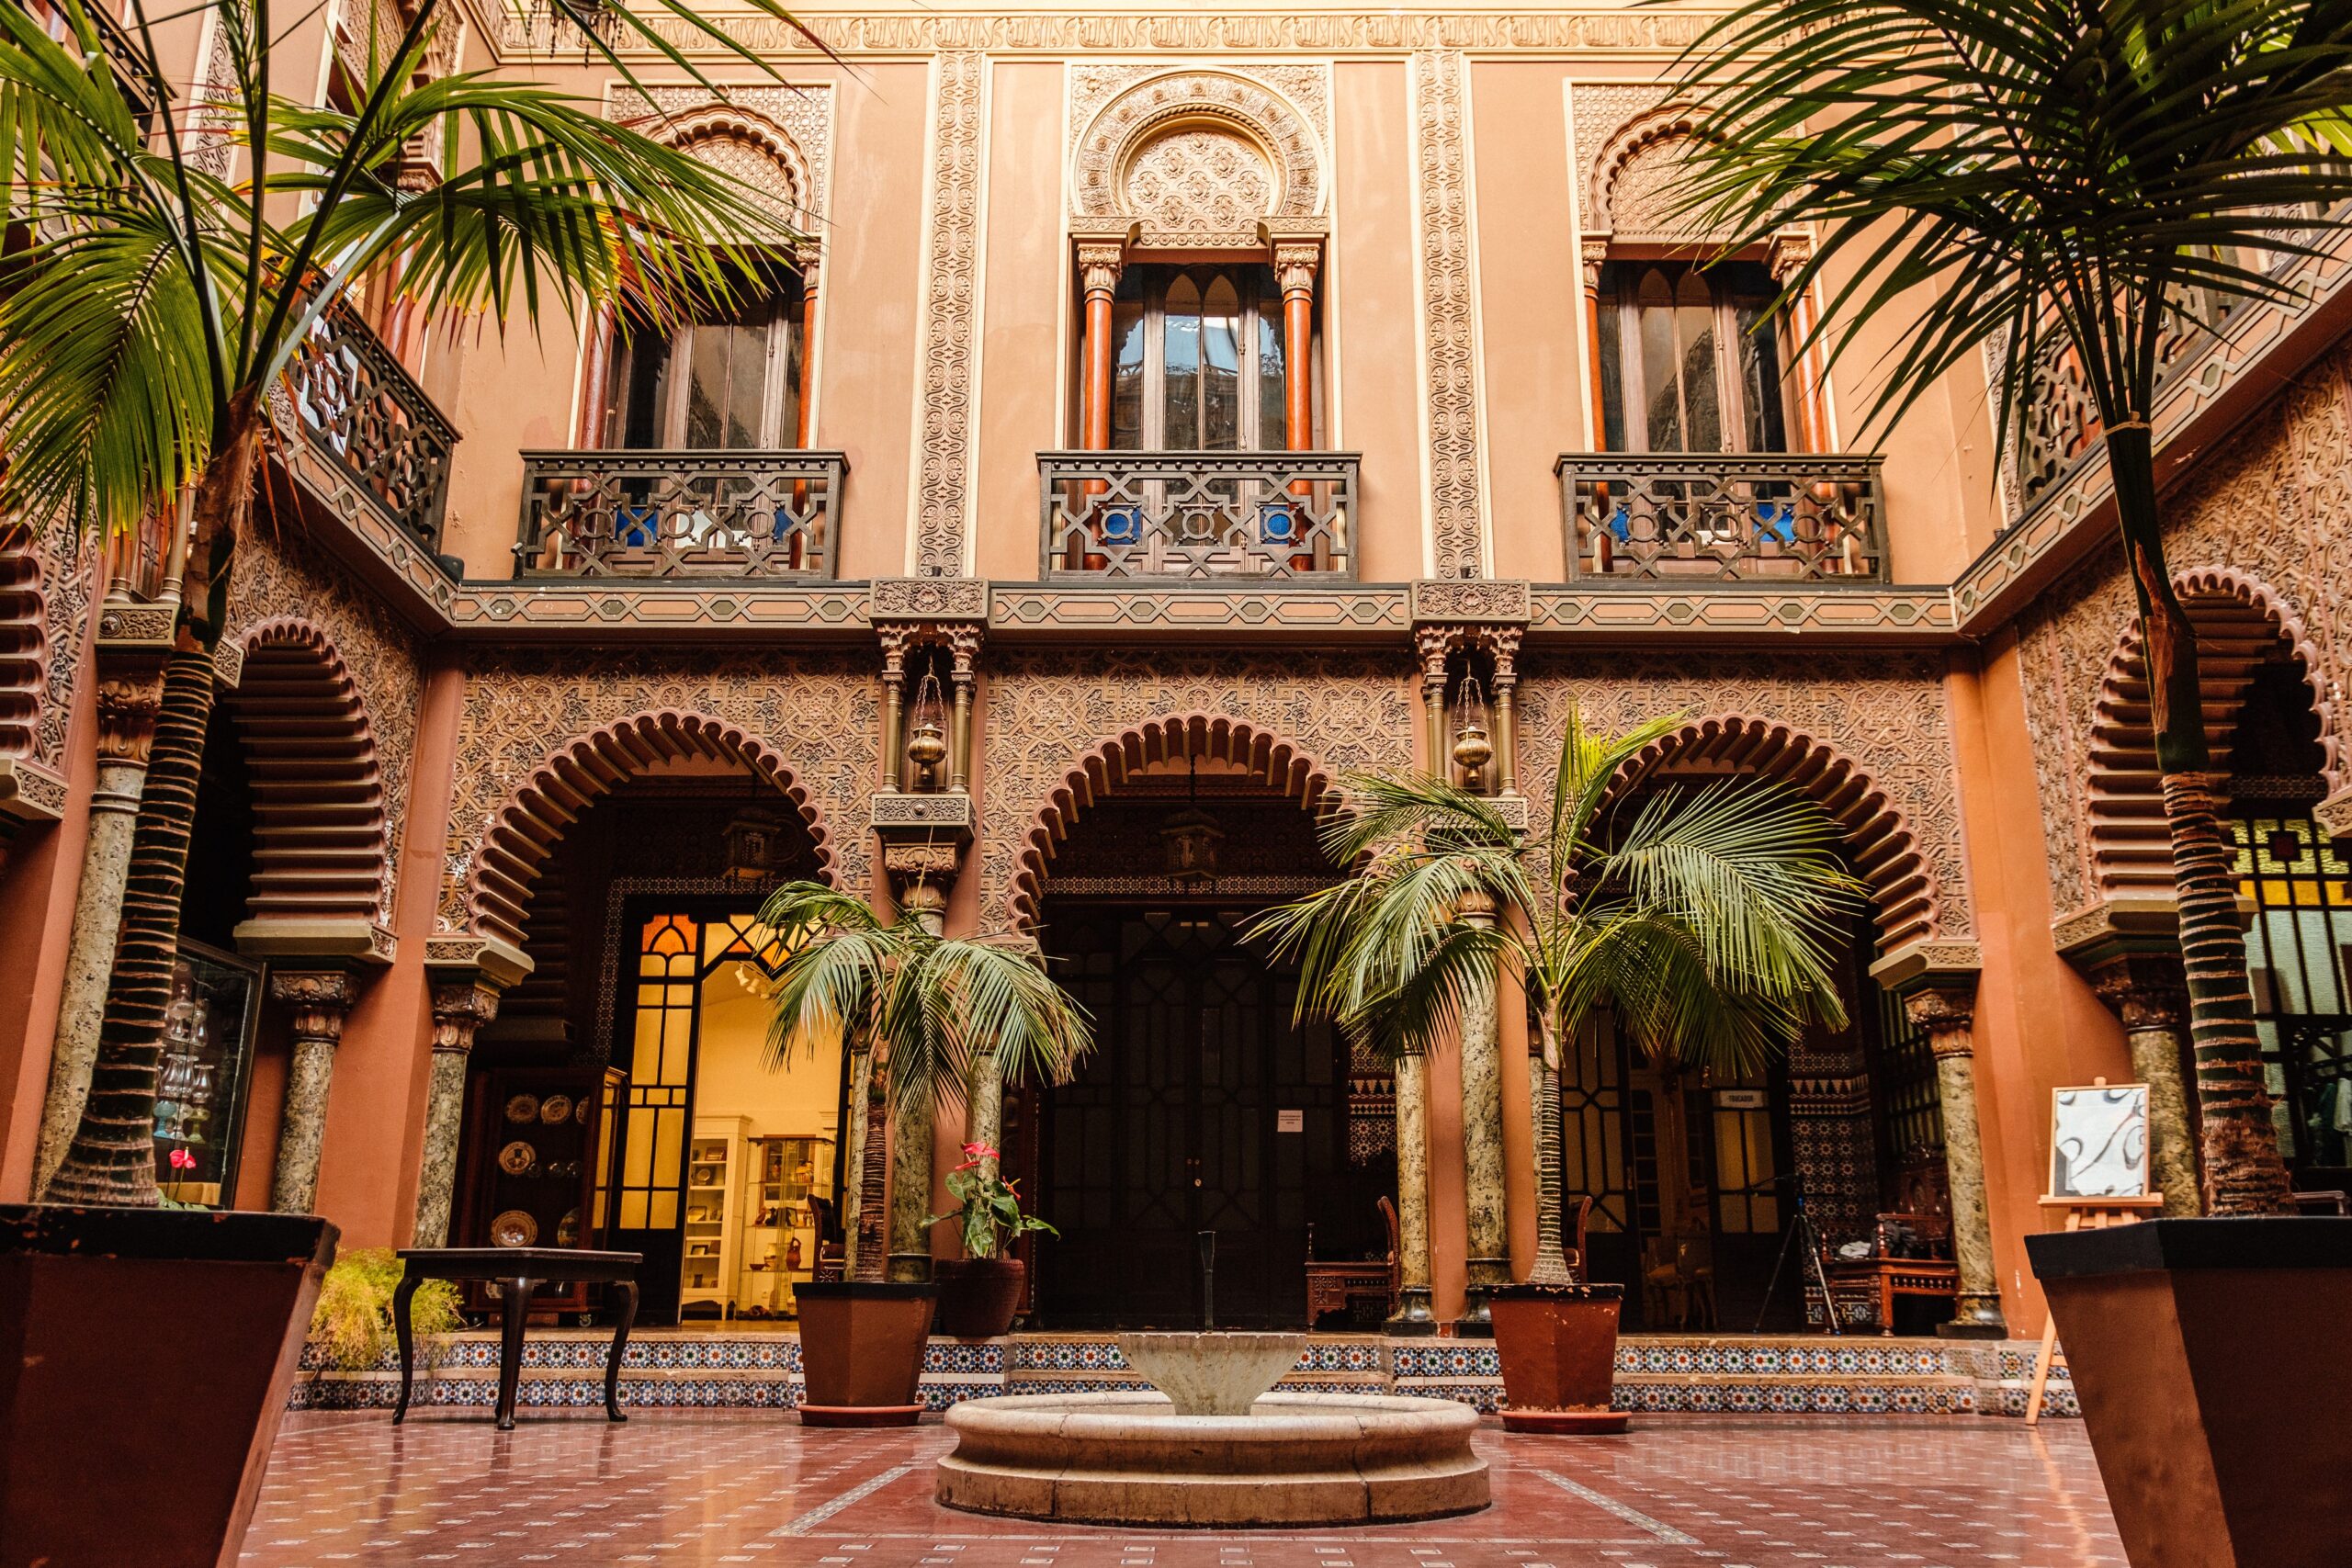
1296	1459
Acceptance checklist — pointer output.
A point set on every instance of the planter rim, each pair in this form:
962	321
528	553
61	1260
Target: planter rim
1527	1291
216	1235
868	1290
2263	1242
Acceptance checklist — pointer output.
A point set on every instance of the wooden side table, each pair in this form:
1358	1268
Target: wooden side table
518	1271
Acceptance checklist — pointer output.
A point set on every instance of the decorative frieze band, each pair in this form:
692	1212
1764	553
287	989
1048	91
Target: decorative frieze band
949	369
1448	314
535	30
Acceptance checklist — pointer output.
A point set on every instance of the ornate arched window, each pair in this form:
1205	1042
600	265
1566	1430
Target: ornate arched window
1197	360
1690	358
728	378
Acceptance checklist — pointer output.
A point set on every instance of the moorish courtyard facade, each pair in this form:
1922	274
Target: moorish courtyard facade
1167	412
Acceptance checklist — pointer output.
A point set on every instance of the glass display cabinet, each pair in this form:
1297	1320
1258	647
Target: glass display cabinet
208	1026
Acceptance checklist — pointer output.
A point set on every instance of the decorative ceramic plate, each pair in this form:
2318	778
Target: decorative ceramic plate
567	1229
514	1228
517	1159
523	1108
556	1110
580	1112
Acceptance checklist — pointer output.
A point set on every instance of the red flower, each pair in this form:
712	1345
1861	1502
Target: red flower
183	1160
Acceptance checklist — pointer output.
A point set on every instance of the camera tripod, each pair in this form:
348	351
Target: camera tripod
1801	1232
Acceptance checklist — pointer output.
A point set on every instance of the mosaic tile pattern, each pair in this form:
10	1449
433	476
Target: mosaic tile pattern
696	1488
708	1369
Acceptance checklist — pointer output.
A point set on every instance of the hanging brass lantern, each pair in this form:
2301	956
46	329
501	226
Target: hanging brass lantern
1472	749
1190	837
927	738
927	747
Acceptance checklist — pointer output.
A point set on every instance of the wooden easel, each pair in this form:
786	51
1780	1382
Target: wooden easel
2082	1214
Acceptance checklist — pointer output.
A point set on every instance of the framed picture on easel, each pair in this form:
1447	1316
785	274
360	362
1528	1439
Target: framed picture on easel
2099	1142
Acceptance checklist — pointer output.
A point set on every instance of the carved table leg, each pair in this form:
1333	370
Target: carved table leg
514	1307
620	1342
403	1294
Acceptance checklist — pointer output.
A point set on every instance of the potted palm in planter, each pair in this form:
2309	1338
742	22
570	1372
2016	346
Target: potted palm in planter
1704	920
154	306
2087	186
920	1014
980	1293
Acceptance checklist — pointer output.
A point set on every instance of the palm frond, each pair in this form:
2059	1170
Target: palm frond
2008	170
1750	867
1651	973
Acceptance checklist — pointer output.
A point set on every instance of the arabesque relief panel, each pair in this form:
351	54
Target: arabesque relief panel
1884	711
1048	710
820	713
275	579
2274	503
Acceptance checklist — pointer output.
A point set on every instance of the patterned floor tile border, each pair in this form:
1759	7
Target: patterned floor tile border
1809	1375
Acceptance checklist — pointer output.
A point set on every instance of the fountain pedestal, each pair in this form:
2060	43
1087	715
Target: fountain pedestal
1222	1452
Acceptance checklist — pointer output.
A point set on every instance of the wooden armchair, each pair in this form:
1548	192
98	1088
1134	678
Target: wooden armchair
1341	1285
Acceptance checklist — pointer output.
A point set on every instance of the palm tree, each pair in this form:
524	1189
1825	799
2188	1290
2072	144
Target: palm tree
1705	919
2047	177
919	1011
149	308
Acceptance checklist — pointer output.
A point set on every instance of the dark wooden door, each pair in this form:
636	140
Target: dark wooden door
1203	1107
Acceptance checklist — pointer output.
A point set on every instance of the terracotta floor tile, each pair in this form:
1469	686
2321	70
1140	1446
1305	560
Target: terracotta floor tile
690	1489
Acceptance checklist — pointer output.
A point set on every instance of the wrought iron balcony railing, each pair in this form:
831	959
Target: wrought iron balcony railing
357	407
679	514
1722	517
1210	515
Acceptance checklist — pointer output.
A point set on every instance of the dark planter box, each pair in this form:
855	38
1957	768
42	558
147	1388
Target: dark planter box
2211	1360
145	1356
861	1351
978	1297
1558	1348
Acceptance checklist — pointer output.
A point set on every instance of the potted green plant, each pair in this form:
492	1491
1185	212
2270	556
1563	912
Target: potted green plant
351	1326
155	310
2080	188
1703	919
980	1293
921	1015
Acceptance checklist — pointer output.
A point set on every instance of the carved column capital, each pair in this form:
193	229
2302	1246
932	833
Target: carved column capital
316	1001
1296	264
2146	990
1948	1013
460	1008
1594	255
1100	264
1786	252
130	689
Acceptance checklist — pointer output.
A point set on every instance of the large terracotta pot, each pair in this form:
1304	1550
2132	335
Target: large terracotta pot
1558	1348
145	1356
2210	1361
861	1351
978	1297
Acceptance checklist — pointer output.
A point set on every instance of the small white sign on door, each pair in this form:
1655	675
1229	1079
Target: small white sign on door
1290	1120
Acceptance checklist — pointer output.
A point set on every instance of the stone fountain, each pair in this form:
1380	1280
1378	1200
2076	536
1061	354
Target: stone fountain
1213	1447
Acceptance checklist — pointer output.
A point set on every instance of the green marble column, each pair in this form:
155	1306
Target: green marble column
2150	994
1414	1314
1482	1139
861	1071
1948	1013
460	1008
317	1002
911	1195
129	692
984	1107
